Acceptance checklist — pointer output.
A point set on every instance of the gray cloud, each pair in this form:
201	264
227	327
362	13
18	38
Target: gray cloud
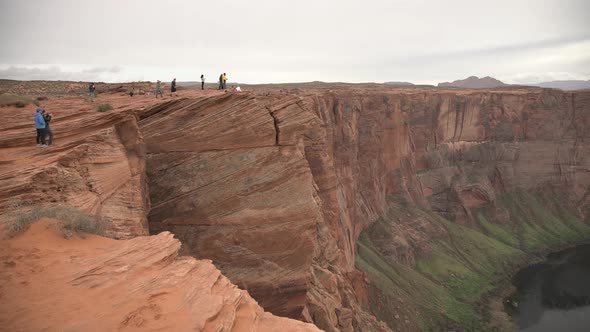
277	41
98	70
53	73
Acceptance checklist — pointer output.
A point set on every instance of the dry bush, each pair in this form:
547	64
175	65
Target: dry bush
71	221
7	99
104	107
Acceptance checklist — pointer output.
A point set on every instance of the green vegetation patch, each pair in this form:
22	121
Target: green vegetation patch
406	289
448	284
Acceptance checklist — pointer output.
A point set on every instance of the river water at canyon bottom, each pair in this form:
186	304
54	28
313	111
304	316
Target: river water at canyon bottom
555	295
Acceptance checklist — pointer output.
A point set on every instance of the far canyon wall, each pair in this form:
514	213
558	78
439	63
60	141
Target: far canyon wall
276	188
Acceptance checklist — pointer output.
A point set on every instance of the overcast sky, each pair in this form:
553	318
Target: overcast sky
259	41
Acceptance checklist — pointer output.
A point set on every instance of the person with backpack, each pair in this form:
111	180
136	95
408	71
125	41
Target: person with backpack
91	89
159	90
40	126
173	87
47	117
202	82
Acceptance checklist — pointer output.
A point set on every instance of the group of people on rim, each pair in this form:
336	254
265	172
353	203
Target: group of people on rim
222	86
222	81
42	120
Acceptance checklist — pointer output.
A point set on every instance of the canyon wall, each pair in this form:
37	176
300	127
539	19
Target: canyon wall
230	177
332	206
276	188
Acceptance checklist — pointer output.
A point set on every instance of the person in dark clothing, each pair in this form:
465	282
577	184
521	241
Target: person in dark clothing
173	87
40	126
47	117
91	89
221	82
202	82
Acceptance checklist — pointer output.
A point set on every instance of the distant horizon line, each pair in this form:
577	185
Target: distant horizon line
408	83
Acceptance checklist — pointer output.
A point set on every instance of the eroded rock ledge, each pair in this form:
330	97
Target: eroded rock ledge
99	284
276	189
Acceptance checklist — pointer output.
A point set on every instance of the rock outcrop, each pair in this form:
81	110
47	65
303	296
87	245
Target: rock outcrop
251	184
98	284
97	165
276	189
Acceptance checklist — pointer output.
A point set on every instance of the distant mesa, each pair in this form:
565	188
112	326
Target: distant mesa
565	85
398	83
474	82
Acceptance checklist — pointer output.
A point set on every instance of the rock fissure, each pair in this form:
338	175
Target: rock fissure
276	125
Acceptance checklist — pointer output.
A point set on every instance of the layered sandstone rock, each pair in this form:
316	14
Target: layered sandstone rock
276	189
97	165
233	178
98	284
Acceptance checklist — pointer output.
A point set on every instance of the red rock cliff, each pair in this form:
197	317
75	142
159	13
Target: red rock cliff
276	189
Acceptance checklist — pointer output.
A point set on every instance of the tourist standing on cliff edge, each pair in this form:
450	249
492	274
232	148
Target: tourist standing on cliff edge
224	80
202	82
40	126
173	87
91	89
220	81
47	117
159	90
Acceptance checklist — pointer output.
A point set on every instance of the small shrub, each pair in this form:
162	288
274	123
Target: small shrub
14	100
19	222
104	107
36	102
82	224
71	220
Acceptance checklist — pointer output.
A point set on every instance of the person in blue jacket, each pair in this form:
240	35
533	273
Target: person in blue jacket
40	125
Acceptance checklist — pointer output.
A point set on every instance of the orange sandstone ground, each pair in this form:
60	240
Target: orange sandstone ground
91	283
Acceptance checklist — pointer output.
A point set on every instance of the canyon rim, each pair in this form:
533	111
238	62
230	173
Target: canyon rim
351	207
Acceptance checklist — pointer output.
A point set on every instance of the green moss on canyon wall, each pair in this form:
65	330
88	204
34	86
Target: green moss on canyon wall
428	273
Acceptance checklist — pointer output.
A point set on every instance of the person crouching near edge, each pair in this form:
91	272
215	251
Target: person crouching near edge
47	117
40	125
